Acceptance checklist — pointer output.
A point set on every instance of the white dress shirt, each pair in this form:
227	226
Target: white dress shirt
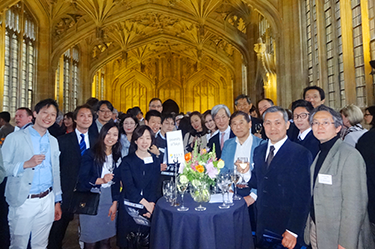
226	135
86	135
303	135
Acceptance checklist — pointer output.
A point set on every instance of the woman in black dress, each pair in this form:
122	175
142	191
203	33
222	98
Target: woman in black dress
95	175
139	174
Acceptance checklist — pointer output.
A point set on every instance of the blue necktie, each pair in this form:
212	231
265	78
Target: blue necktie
82	144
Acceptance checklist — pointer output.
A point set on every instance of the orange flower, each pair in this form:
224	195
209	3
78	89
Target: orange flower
199	168
187	157
203	151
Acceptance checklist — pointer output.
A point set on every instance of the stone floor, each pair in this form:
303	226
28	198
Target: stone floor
71	236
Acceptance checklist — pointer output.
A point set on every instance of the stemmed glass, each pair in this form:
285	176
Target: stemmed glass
182	186
243	162
43	151
228	177
235	176
258	128
168	190
111	169
222	184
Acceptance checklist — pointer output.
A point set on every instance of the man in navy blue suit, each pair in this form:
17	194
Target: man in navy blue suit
281	174
221	115
305	137
72	146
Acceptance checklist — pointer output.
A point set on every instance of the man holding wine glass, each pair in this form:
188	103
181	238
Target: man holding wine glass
238	156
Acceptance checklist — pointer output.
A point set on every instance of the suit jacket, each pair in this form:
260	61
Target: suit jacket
283	190
227	155
16	150
56	131
93	130
365	146
310	142
216	140
5	131
341	207
70	162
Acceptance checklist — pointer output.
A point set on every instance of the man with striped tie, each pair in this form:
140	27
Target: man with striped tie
72	147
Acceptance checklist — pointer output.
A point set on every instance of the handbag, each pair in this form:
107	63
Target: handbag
84	202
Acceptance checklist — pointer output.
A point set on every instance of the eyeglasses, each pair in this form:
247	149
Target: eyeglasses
324	123
302	116
106	111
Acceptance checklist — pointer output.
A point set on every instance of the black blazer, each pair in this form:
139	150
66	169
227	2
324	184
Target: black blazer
311	143
216	140
93	130
283	190
366	146
70	162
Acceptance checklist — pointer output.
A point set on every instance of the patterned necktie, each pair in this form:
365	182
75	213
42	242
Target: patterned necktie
82	144
270	156
222	140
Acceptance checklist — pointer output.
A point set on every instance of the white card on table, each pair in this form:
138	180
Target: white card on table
148	160
325	179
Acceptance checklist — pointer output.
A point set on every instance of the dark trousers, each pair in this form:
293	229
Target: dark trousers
58	230
4	226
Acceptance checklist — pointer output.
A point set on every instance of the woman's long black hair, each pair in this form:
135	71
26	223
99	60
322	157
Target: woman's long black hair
99	146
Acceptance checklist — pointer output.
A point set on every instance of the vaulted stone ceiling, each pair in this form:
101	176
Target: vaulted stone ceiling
138	30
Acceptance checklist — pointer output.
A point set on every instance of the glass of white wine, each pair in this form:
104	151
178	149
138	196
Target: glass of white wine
243	162
182	186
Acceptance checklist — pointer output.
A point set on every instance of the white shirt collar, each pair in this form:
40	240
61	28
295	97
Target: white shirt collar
276	145
226	131
304	134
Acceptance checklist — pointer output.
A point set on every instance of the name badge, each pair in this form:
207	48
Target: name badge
148	160
325	179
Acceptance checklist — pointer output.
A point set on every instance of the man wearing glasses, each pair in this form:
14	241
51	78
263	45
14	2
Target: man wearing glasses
155	104
305	137
104	111
338	212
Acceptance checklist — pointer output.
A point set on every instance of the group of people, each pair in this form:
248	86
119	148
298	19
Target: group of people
310	173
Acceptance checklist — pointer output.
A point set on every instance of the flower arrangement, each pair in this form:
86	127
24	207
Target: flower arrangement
201	166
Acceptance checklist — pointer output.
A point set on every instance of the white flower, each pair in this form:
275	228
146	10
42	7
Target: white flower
220	164
183	179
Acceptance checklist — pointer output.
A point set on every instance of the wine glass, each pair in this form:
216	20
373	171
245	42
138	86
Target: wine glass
228	180
221	183
243	162
258	128
43	151
236	176
167	189
182	184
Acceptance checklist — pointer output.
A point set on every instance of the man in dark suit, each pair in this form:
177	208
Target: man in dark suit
72	146
365	146
304	136
104	110
243	103
282	179
221	116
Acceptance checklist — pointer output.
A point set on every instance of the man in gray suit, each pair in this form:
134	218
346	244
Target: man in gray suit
33	192
338	214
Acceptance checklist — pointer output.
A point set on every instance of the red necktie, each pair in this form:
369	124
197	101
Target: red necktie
222	140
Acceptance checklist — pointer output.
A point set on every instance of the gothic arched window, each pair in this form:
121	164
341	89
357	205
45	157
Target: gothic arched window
19	58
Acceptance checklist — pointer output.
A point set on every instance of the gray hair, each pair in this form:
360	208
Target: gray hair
242	96
337	119
275	108
353	113
217	108
59	117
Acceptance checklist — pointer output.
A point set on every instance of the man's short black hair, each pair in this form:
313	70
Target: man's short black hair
166	116
302	103
86	106
267	99
28	111
154	99
104	102
242	96
46	103
5	116
239	113
320	90
152	113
